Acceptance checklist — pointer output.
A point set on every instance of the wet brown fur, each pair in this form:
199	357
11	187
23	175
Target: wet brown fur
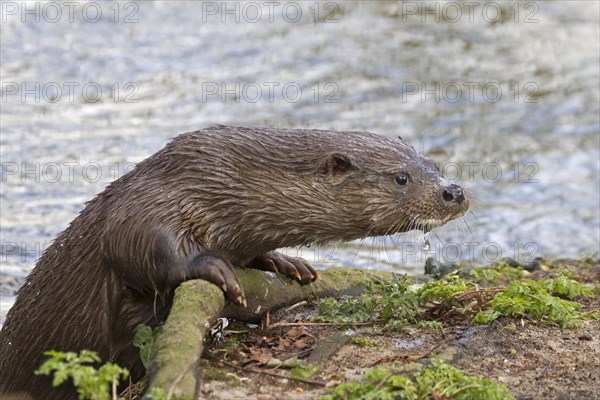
235	193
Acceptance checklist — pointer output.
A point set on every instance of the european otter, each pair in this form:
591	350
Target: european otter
210	199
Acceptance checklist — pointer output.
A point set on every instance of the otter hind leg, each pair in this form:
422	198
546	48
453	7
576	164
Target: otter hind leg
220	272
293	267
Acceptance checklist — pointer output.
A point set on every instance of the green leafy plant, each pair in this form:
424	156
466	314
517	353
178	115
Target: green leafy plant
91	383
590	258
380	301
500	272
397	301
437	381
378	383
443	291
531	299
397	304
564	285
430	325
143	339
348	310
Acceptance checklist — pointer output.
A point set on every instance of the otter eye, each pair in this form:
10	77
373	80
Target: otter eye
402	179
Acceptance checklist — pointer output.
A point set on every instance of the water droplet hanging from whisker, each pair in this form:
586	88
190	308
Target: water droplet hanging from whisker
426	244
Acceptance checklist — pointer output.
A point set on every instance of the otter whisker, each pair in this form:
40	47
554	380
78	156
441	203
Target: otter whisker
473	214
436	236
468	227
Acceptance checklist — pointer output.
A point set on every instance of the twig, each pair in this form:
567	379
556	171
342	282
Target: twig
274	374
381	382
294	306
409	357
280	324
405	357
475	293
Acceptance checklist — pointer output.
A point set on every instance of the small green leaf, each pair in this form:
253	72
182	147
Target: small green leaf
144	340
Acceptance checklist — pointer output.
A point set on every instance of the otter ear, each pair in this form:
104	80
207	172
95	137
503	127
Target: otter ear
336	164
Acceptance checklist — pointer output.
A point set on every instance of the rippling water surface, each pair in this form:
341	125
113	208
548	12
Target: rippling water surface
508	103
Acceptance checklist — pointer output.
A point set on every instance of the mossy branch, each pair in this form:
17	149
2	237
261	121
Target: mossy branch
197	304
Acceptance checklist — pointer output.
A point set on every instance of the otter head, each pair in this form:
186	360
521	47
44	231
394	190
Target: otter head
388	187
253	190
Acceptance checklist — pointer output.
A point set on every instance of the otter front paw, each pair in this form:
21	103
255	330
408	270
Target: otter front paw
293	267
221	273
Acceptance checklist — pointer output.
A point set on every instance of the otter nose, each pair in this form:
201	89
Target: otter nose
453	193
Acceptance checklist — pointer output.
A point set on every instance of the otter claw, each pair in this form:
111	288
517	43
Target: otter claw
240	300
295	268
221	273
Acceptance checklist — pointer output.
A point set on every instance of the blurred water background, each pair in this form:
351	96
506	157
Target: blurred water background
504	95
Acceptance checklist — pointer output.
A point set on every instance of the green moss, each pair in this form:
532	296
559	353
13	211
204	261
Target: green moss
178	344
305	372
161	394
438	379
232	343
